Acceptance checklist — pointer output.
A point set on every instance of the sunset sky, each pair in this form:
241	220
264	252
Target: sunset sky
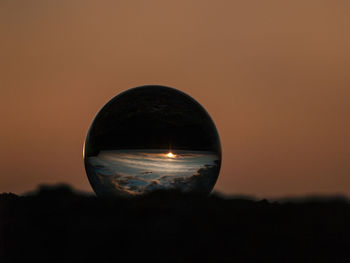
274	76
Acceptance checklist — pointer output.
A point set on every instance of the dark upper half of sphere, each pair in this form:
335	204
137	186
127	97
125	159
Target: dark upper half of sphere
152	117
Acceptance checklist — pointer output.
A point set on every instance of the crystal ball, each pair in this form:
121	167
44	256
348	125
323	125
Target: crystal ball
152	138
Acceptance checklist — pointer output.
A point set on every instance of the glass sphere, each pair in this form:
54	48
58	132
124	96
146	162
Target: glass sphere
152	138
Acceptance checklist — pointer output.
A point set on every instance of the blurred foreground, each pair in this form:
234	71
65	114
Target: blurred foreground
56	224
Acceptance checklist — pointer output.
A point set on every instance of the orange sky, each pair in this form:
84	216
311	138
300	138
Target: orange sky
274	76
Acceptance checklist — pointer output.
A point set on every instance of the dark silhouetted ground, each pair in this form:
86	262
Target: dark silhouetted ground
58	225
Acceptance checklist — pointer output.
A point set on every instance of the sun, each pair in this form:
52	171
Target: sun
171	155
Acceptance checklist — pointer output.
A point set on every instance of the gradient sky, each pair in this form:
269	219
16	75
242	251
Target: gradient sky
274	76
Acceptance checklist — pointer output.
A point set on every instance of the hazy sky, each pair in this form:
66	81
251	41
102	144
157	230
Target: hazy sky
274	76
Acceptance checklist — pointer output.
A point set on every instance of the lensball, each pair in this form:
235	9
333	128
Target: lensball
152	138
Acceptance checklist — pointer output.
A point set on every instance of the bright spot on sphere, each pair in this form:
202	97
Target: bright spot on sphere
171	155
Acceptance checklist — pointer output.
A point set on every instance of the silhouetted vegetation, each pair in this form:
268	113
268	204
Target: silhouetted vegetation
56	224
